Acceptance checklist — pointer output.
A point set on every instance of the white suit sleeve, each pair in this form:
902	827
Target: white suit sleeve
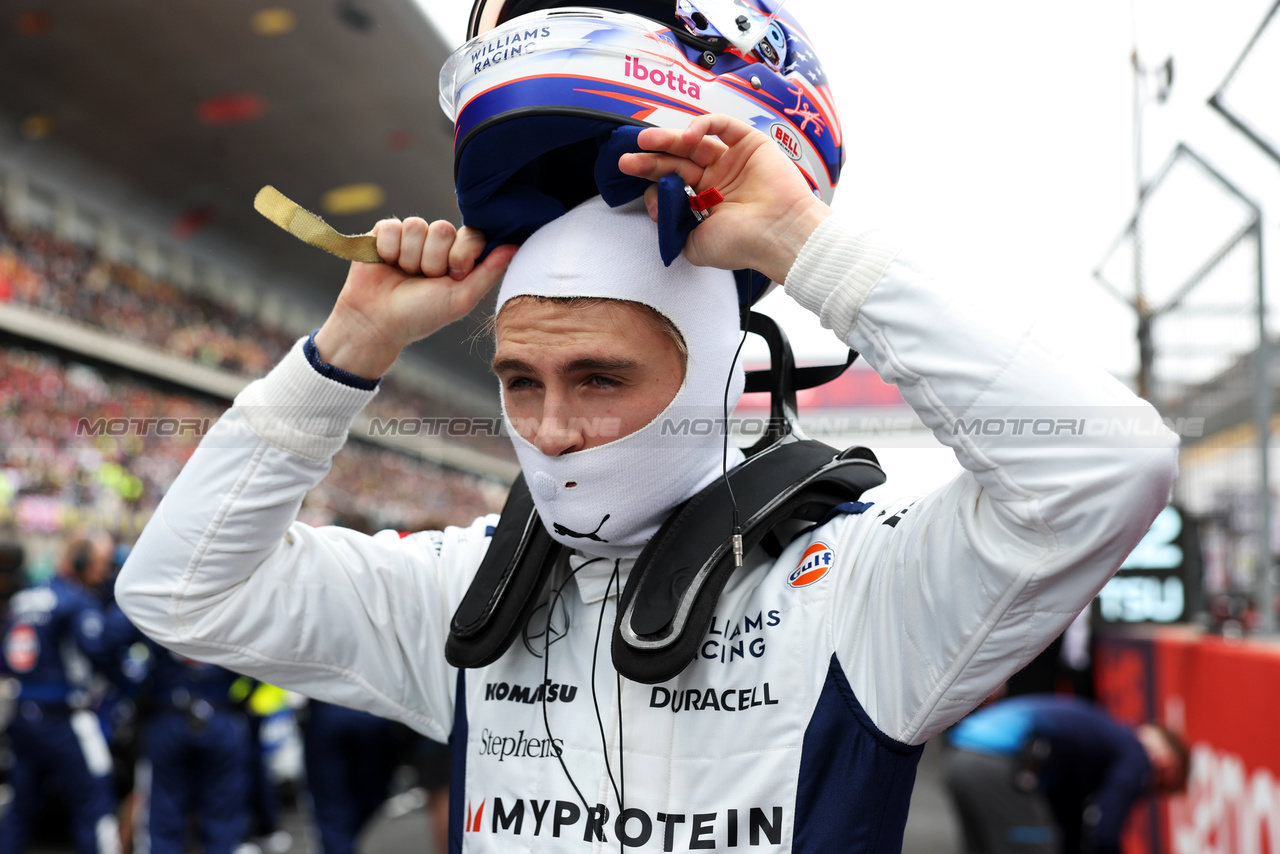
223	573
944	598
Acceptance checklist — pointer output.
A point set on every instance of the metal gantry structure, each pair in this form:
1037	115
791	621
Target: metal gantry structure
1187	296
1203	276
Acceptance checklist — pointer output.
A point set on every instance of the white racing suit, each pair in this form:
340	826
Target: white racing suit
799	725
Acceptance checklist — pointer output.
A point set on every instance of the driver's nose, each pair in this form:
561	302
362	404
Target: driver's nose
558	431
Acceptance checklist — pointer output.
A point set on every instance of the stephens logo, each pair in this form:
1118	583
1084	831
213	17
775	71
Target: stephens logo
814	564
492	744
657	78
22	648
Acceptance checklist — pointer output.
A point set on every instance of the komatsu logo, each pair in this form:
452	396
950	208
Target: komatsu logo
548	690
752	826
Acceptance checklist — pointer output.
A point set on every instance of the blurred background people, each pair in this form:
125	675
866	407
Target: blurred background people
12	556
1052	774
263	703
350	759
430	762
53	637
196	747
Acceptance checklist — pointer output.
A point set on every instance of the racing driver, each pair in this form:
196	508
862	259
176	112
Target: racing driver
799	724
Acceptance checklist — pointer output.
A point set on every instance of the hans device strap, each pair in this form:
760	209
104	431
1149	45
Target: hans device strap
507	586
672	591
671	595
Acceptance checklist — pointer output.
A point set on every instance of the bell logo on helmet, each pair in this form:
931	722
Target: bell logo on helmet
814	564
656	77
787	140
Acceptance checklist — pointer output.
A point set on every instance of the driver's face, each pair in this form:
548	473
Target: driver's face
574	378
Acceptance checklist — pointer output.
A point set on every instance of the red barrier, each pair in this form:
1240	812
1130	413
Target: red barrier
1224	697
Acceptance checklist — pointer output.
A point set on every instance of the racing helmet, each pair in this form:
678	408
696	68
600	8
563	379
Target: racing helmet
545	97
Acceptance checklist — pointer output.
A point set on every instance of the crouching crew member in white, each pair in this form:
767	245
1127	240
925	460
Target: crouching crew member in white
841	657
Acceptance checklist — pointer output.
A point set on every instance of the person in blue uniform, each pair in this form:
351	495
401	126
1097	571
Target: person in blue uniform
53	637
196	742
262	701
350	757
1050	773
12	557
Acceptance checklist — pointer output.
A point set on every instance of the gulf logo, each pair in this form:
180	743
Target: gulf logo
814	564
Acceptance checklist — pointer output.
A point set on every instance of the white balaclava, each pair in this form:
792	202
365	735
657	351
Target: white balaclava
636	480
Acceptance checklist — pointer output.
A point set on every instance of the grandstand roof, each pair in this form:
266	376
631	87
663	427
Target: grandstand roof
187	107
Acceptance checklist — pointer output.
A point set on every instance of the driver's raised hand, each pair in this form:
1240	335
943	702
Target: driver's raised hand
768	211
428	280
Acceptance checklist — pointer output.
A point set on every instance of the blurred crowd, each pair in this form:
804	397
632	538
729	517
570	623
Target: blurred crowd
74	445
55	473
40	270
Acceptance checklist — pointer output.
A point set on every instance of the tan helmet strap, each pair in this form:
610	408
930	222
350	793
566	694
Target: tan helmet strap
309	228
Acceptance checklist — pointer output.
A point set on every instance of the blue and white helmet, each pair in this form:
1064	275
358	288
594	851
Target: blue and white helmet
546	97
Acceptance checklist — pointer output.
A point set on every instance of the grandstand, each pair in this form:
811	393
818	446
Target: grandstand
130	315
52	285
97	440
